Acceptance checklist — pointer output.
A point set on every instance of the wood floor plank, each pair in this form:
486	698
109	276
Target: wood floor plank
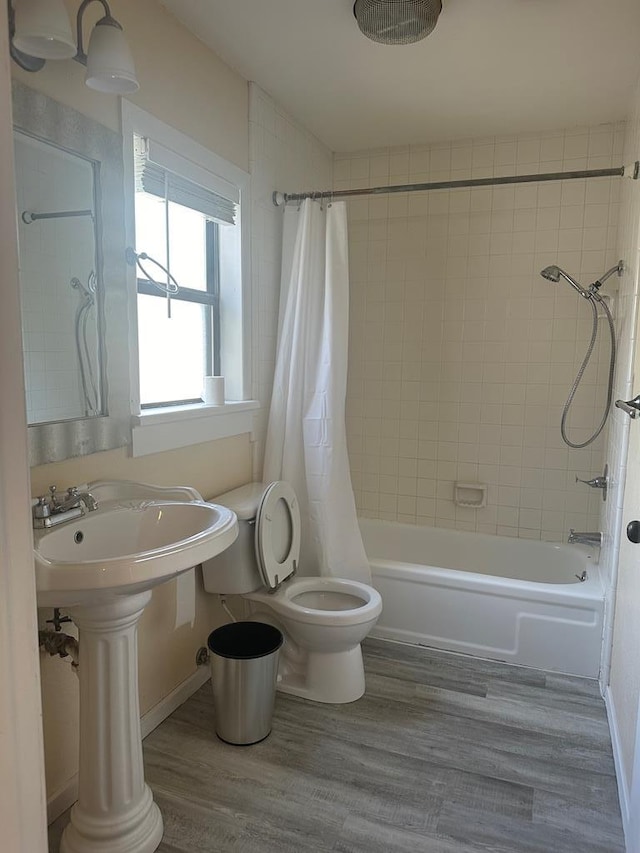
326	770
502	752
444	754
601	825
371	835
511	710
502	834
552	698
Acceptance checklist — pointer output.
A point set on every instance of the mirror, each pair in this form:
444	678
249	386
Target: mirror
70	203
60	280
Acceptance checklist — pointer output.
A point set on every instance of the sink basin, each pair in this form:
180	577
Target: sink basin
127	547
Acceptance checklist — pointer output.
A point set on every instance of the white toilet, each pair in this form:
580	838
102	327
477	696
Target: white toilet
323	620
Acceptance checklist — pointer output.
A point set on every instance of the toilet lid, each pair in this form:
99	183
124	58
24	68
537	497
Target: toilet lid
277	538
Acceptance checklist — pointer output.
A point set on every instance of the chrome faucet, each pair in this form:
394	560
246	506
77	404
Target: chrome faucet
601	482
50	510
578	538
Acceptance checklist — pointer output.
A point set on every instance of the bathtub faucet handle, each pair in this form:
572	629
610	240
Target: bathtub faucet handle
601	482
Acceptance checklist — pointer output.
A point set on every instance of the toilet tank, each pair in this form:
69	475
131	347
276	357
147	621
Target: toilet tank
235	571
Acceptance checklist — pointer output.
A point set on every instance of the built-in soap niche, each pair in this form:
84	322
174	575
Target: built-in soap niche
470	495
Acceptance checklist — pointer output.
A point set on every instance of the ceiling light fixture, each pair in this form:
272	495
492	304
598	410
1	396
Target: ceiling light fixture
397	21
40	30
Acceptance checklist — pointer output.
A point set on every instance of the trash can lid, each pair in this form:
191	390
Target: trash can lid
245	640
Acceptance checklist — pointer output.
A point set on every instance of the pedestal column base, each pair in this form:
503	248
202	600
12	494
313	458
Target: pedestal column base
90	835
115	812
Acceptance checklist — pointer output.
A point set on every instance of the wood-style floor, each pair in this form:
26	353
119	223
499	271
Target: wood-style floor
444	754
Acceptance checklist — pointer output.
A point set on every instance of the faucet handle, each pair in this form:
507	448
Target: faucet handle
42	509
594	482
601	482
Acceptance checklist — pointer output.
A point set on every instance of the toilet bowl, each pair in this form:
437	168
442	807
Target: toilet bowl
323	619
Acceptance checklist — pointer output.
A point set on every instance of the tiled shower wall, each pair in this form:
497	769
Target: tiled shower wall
283	156
461	355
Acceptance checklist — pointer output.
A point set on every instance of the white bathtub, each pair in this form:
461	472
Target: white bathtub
513	600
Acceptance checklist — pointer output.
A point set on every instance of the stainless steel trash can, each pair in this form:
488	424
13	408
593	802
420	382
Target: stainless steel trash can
244	667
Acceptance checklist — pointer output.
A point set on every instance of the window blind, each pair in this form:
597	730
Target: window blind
156	179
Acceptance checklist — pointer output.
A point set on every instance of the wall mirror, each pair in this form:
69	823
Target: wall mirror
60	280
69	194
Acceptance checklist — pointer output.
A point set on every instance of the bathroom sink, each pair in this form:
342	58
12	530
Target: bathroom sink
127	546
99	560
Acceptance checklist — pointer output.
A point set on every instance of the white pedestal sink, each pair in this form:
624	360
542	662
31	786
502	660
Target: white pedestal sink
101	568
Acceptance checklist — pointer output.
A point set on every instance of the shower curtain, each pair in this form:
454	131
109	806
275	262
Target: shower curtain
306	438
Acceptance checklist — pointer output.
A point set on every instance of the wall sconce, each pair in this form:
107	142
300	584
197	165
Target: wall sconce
41	30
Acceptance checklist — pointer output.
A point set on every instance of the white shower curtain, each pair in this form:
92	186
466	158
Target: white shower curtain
306	439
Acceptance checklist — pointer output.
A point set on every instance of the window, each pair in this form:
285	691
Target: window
187	226
177	224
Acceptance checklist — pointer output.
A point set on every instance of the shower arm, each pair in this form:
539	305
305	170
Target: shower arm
597	284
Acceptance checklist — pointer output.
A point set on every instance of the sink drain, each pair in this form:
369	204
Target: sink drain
78	536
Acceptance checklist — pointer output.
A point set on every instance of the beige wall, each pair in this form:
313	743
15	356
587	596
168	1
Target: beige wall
283	156
182	82
186	85
461	355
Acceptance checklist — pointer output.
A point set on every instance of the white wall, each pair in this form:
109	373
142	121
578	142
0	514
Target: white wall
461	355
623	694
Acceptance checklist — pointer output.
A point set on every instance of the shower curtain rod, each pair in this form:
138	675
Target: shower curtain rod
28	216
632	171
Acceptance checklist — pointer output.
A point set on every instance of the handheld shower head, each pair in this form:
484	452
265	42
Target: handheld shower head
554	272
551	273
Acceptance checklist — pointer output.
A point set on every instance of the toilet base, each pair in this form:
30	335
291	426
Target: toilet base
334	678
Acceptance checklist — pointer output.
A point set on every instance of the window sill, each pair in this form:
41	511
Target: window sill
158	430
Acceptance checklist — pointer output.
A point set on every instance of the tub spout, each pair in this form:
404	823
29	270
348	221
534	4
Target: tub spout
578	538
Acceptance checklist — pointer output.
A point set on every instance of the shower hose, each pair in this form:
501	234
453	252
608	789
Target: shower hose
612	362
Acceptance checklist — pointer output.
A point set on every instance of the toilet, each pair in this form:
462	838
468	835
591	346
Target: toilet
323	619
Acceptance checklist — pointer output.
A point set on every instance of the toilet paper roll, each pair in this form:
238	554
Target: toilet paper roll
214	390
185	599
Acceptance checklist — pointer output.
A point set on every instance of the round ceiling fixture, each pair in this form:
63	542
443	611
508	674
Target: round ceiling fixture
397	21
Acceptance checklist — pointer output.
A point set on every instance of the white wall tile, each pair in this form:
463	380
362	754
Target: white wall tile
478	353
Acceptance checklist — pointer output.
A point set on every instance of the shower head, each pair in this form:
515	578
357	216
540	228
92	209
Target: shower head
397	21
553	273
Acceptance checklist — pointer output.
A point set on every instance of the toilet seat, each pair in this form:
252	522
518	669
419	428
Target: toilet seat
292	601
277	534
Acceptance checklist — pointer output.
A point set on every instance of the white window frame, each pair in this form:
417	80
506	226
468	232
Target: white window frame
170	427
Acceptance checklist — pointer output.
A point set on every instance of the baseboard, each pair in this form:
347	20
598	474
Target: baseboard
66	796
152	719
623	791
62	800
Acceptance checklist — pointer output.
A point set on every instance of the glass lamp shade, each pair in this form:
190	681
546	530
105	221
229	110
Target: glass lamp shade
109	62
42	29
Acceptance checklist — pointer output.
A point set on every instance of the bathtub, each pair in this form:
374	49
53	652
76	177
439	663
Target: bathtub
513	600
